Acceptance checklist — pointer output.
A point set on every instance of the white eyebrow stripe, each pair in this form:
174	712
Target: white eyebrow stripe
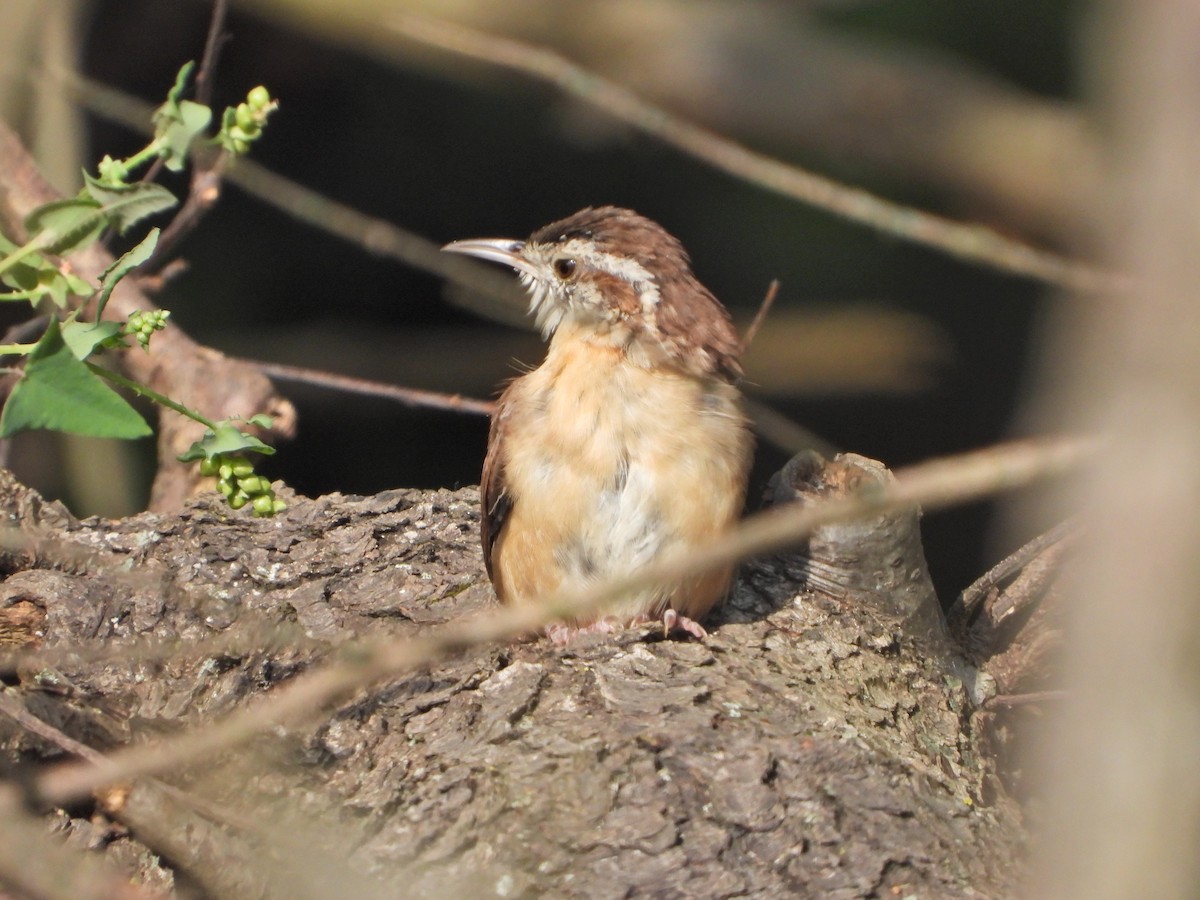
628	269
623	267
549	315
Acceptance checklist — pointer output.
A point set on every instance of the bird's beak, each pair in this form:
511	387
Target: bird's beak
501	250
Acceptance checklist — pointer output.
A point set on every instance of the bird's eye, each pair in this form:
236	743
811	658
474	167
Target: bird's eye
564	267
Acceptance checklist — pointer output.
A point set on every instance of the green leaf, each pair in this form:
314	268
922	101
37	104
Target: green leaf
55	287
170	109
123	266
177	137
125	204
76	285
60	393
107	191
178	122
226	439
63	225
35	277
84	337
24	275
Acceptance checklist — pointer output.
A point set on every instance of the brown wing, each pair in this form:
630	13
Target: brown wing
493	494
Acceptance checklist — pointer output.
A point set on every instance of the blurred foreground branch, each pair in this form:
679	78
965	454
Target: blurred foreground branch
975	243
1121	773
931	485
796	78
279	628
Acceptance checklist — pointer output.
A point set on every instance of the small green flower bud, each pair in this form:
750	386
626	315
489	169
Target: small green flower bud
254	485
258	97
245	118
241	467
238	500
225	470
264	505
208	467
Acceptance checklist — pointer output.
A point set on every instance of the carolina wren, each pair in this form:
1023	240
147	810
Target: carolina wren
629	440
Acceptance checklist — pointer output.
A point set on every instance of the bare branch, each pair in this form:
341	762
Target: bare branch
204	80
1033	698
206	74
974	243
412	397
759	317
35	866
778	430
1122	788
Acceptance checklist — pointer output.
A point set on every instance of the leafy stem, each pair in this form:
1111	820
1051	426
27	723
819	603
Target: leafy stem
117	171
150	394
16	349
18	255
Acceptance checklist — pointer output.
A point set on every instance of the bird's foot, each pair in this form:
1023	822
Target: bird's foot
672	620
562	633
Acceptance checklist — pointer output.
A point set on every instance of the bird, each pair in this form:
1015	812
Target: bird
629	441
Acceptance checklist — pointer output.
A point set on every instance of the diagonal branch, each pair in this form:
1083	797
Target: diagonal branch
974	243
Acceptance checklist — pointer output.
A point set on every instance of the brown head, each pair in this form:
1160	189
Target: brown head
611	275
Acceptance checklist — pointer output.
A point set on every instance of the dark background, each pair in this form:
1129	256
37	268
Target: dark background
451	157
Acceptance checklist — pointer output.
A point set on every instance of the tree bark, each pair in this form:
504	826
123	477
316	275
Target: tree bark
812	745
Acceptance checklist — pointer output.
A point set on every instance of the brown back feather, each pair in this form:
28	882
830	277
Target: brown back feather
495	501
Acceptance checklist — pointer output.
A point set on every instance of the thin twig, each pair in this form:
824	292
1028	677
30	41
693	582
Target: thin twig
975	243
29	330
204	81
376	236
1028	699
27	857
203	194
782	433
207	169
15	710
158	813
413	397
974	593
206	74
759	317
932	484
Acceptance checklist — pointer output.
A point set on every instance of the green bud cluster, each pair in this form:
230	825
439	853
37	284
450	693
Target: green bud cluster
239	484
143	323
112	171
243	124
